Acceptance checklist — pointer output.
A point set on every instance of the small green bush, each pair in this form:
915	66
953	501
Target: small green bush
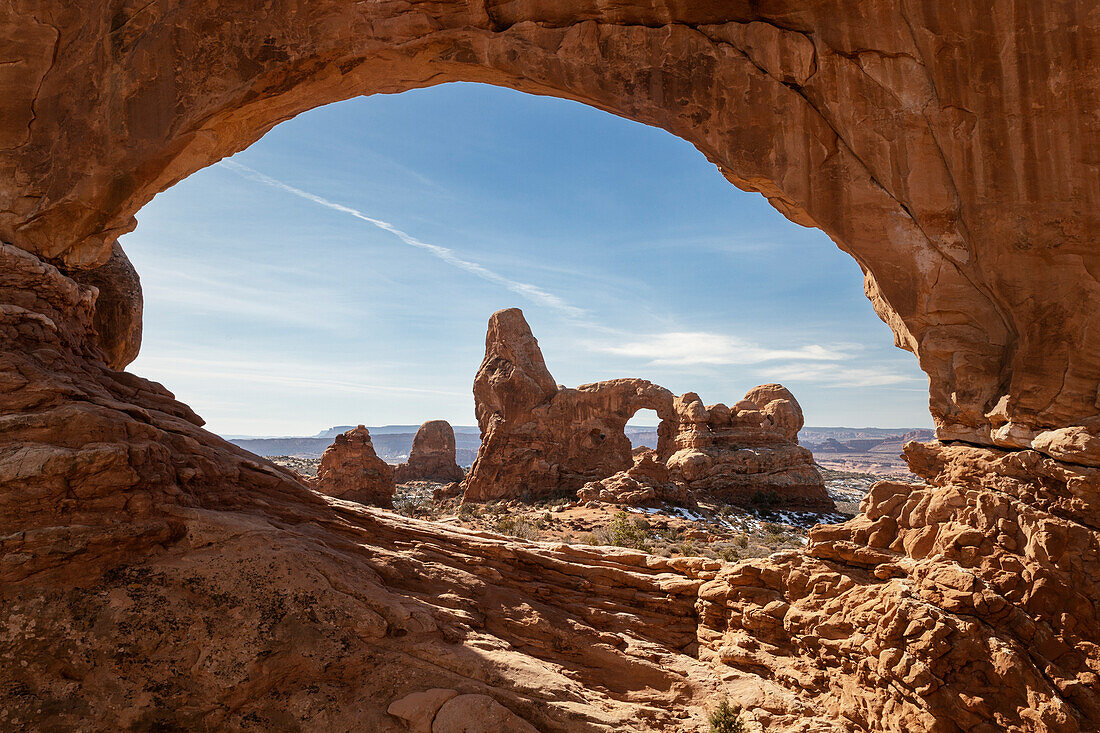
725	718
623	531
688	549
729	554
406	508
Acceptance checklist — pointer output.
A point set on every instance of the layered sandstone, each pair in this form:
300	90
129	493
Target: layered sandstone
432	457
747	454
139	552
350	469
157	577
539	439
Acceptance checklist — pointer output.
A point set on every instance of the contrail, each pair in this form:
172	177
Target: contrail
531	292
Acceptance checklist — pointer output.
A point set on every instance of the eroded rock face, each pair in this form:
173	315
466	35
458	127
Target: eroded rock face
967	604
350	469
747	454
539	439
118	307
432	457
646	483
949	147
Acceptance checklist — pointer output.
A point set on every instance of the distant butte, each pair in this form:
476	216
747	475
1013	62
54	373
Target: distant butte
432	457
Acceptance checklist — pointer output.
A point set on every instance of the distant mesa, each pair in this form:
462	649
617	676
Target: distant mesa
350	469
540	439
432	457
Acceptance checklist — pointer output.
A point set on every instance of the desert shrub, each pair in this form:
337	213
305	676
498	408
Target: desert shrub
673	534
517	527
624	531
774	534
406	508
743	540
467	510
729	554
688	548
725	718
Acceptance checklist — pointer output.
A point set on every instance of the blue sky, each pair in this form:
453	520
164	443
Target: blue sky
342	269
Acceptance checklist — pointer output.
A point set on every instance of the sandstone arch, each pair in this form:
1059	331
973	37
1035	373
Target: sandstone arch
950	148
863	120
539	438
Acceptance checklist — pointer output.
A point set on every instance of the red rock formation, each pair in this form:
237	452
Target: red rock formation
350	469
432	457
646	483
154	576
925	139
538	439
747	454
118	307
969	604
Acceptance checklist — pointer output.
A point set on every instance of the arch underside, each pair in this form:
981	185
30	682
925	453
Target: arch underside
952	153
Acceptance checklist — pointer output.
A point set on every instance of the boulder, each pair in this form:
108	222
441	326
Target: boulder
478	714
646	483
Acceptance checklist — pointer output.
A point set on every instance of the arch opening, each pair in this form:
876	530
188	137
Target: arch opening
708	83
224	220
967	198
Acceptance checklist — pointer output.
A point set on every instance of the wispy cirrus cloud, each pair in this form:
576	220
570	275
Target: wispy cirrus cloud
685	348
446	254
201	291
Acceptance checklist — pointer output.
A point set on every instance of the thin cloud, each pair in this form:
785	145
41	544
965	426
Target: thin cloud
839	375
526	290
284	375
208	294
686	348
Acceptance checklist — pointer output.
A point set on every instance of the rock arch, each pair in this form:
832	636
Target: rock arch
862	120
539	438
950	148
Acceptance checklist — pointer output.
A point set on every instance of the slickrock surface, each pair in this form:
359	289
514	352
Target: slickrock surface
646	483
747	453
153	576
538	438
432	457
351	470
